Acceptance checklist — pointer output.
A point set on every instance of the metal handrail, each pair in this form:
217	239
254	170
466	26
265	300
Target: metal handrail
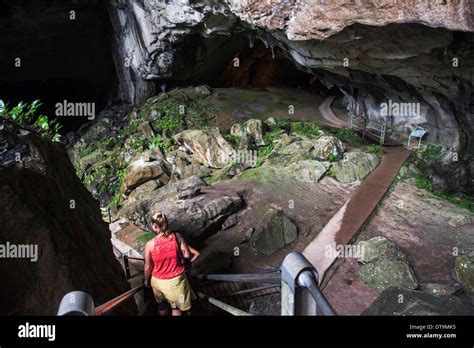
307	280
113	303
269	278
224	306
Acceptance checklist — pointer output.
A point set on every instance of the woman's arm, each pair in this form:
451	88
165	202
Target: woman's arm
195	253
188	250
148	262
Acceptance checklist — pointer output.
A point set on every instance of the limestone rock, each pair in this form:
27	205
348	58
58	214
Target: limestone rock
465	272
308	171
250	131
44	204
196	217
355	166
459	220
140	171
440	289
209	147
415	303
384	265
326	146
273	232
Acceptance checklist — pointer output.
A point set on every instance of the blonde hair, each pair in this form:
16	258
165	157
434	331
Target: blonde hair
162	221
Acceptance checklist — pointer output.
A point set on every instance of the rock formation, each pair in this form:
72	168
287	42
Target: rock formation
44	204
374	52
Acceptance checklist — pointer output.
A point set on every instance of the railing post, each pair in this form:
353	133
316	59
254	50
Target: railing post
296	300
77	303
126	265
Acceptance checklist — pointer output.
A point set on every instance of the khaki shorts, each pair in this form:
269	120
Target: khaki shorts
176	291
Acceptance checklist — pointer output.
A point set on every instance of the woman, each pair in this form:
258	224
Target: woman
163	256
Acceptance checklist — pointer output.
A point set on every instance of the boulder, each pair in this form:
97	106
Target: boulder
440	289
459	220
45	208
208	146
464	265
204	90
308	171
140	171
328	146
355	166
400	301
273	232
250	132
384	265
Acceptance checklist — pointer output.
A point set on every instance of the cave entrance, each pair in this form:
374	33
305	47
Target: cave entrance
238	61
59	58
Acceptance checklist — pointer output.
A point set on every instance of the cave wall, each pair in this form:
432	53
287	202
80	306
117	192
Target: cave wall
44	204
374	51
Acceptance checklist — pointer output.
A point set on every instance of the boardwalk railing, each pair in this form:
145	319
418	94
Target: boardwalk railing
368	127
299	281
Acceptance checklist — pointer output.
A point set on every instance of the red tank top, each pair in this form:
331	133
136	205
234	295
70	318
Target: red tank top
166	258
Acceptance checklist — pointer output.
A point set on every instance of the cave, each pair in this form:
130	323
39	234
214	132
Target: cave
64	51
238	121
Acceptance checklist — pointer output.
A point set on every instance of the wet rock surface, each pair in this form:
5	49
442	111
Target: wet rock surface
355	166
273	232
384	265
415	303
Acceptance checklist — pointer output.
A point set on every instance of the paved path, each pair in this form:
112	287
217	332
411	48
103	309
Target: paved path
345	224
329	115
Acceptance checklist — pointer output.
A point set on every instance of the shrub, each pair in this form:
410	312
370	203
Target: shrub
305	128
375	149
349	137
26	114
431	155
159	142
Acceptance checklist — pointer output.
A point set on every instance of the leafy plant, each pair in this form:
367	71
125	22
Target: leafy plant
305	128
431	155
26	114
331	157
170	119
233	139
349	137
375	149
159	142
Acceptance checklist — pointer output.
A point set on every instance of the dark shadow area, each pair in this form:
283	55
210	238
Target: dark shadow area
53	54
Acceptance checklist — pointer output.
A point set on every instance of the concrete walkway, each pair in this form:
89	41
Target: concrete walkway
329	115
346	223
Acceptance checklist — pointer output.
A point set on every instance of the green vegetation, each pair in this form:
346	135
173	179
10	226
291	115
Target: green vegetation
431	155
159	142
424	183
233	140
332	157
349	137
170	117
305	128
145	237
330	172
266	150
27	114
375	149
